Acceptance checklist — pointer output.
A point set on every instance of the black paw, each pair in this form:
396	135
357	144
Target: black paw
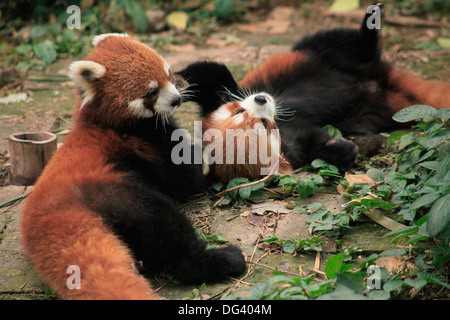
339	152
370	145
229	261
213	265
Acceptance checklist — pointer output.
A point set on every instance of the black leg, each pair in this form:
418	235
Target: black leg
159	234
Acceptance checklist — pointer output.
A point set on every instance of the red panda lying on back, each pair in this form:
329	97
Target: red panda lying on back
334	77
109	195
243	133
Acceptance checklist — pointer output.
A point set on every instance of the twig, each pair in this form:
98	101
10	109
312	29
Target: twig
11	202
317	261
318	271
275	269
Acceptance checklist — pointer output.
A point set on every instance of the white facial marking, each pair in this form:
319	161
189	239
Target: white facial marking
221	114
238	119
153	84
266	110
138	109
97	39
165	98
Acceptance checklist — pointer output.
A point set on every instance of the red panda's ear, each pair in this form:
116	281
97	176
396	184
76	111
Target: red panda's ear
97	39
84	73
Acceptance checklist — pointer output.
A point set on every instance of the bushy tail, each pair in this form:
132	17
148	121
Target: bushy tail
406	89
80	258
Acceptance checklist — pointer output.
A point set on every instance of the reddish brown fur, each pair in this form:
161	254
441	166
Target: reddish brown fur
125	79
57	229
227	172
410	89
55	223
276	64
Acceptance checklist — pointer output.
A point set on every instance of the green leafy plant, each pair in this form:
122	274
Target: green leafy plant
295	246
303	187
240	195
283	287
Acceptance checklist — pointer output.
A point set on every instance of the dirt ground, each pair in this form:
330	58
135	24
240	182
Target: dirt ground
242	46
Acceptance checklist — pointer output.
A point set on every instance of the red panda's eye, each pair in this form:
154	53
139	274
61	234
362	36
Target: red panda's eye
264	122
239	111
151	94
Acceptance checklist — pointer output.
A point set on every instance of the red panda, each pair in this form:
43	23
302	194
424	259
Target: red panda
334	77
248	139
109	196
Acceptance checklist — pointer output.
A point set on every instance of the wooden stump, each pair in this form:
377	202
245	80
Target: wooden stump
30	152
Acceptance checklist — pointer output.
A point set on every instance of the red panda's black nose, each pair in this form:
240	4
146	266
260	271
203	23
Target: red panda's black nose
176	102
260	99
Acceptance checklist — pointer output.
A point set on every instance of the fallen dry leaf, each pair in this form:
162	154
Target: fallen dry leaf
344	5
395	265
14	97
261	208
178	19
358	178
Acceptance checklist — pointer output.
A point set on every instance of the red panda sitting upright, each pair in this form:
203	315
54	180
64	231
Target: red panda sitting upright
334	77
109	195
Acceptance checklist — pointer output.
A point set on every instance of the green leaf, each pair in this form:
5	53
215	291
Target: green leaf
334	265
393	253
342	292
432	165
393	285
416	283
443	168
378	295
246	192
237	182
315	216
223	8
439	216
217	186
443	114
376	174
305	188
137	15
289	246
395	136
415	112
319	163
23	49
406	140
226	200
335	133
425	200
45	51
38	31
287	180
